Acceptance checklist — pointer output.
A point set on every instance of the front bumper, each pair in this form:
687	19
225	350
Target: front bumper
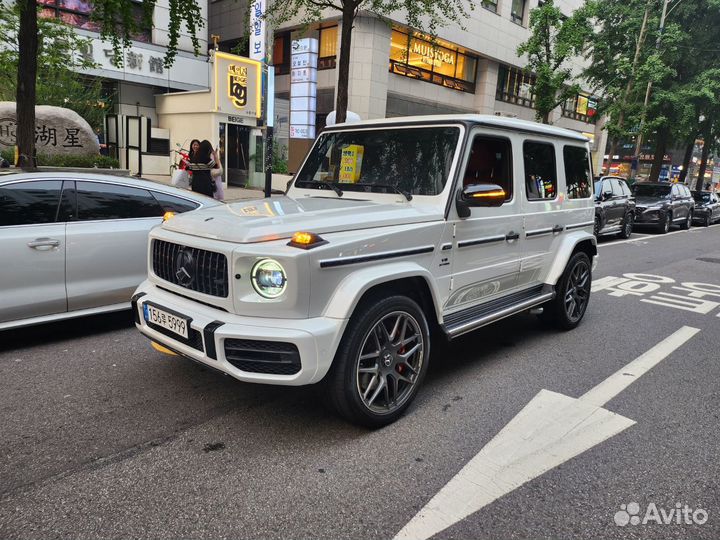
649	217
212	330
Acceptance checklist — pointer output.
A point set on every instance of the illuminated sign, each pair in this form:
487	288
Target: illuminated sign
237	85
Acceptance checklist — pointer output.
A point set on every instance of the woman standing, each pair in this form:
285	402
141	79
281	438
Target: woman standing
201	162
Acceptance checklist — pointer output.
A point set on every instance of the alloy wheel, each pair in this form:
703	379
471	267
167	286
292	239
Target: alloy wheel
390	362
577	293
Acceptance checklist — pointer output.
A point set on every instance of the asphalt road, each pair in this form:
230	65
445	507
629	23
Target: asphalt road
103	437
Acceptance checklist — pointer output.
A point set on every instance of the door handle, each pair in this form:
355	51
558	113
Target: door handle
39	243
558	229
512	235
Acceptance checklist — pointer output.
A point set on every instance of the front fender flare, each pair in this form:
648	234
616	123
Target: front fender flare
343	302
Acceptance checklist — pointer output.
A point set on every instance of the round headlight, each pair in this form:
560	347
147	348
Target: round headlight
268	278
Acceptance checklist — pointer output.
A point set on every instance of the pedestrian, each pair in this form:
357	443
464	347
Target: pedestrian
200	164
194	147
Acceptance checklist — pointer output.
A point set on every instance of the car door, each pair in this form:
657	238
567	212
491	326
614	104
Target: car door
715	207
32	242
107	244
486	245
618	202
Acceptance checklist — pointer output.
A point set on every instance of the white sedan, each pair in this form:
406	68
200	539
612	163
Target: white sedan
75	244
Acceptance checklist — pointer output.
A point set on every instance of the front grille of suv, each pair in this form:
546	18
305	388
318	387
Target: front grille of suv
255	356
191	268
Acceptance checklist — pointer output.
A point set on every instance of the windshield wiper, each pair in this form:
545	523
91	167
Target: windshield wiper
396	189
332	186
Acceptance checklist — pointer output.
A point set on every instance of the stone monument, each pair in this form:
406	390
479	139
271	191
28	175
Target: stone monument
57	131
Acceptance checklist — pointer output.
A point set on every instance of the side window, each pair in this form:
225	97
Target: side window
675	191
606	188
97	200
616	188
687	191
577	172
625	188
490	162
170	203
540	170
27	203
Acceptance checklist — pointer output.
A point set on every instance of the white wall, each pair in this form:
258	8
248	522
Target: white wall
161	22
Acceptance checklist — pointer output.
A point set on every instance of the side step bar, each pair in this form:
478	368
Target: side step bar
467	320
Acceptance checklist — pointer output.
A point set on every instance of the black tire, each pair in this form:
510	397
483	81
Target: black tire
572	296
627	226
664	226
707	221
352	372
596	227
687	223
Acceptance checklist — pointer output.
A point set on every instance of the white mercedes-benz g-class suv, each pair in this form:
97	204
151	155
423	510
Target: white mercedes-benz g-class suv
393	232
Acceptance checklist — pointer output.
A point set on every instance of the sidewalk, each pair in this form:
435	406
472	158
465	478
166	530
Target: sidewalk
234	193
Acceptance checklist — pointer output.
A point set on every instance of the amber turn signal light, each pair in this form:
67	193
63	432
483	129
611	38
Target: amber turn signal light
168	215
306	240
500	193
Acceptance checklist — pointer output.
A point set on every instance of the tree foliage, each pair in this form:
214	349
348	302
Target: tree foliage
554	40
426	16
58	60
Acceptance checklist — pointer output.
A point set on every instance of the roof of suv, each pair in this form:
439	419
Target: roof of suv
488	120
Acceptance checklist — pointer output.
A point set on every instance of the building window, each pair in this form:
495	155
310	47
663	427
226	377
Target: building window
515	86
581	107
77	13
328	47
281	53
437	62
490	5
517	11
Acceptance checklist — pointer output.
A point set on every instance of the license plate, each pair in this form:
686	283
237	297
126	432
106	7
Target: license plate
160	317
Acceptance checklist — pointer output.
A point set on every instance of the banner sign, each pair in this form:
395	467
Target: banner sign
303	88
257	30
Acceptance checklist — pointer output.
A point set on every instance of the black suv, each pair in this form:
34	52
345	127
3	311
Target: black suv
614	207
707	207
663	205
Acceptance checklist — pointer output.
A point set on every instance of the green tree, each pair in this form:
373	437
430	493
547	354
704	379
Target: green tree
59	58
554	40
426	16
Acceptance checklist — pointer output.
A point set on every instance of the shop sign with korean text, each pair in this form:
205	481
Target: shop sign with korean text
236	83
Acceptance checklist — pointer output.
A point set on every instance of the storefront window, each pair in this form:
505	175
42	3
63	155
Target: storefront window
77	13
490	5
581	107
436	61
517	11
328	47
515	86
281	53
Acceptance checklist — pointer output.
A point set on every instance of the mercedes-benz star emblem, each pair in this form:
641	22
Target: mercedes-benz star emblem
387	359
184	263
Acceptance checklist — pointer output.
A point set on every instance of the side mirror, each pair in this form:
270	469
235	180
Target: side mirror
479	195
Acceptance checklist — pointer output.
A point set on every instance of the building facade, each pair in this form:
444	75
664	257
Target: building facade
396	71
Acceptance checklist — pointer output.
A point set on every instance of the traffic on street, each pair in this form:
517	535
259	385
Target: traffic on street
105	437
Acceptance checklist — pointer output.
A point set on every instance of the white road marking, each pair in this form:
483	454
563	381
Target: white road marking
550	430
641	238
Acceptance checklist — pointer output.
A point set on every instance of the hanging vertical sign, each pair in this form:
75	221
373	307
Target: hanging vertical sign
257	30
303	88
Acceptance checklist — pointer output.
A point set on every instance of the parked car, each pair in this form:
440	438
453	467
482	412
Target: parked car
75	244
614	207
663	205
707	207
391	230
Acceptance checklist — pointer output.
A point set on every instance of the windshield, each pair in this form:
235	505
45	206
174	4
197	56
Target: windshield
413	160
701	197
651	190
